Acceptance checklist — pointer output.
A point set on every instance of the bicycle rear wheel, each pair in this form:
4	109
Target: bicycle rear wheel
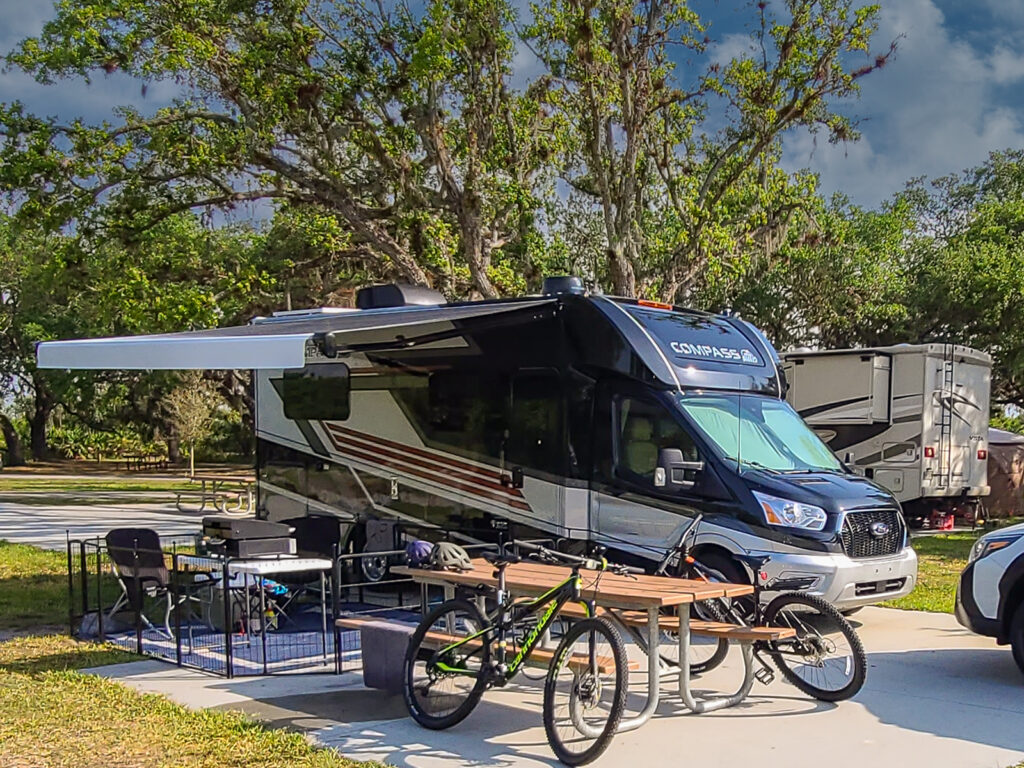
441	687
826	659
585	691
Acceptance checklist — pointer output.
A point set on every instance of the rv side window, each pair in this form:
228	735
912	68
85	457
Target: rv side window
536	436
641	429
317	392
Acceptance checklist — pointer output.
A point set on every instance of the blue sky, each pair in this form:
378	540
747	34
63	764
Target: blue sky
953	93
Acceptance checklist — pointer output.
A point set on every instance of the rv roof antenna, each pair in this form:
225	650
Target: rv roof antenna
561	284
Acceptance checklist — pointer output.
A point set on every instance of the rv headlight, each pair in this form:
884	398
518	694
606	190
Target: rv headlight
986	545
791	514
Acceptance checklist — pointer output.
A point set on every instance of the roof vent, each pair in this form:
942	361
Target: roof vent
397	295
562	284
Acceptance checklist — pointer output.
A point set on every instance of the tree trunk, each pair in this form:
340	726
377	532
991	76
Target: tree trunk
621	269
37	422
173	449
192	460
15	450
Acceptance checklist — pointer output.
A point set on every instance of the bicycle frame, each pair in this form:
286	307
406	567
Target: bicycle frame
508	615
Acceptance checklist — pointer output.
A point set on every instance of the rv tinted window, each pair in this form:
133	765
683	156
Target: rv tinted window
687	339
642	429
536	438
317	392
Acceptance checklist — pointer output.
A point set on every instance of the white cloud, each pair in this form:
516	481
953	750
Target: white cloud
932	111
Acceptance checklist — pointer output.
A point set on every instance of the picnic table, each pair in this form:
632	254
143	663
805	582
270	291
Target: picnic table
141	461
215	490
631	602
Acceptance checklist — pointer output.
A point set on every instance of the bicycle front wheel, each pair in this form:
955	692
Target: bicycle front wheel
826	659
444	679
585	691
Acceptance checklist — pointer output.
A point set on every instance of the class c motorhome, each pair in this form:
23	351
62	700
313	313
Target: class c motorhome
585	418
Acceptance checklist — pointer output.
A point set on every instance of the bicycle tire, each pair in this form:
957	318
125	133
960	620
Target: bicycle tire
722	648
583	690
781	659
413	654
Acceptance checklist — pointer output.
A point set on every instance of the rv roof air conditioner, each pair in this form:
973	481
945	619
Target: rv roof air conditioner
562	284
397	295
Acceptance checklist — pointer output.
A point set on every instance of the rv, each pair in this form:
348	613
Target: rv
583	418
912	417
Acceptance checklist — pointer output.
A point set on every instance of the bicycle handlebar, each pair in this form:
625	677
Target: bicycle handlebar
589	563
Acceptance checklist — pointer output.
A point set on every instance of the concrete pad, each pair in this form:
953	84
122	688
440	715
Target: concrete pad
48	526
935	695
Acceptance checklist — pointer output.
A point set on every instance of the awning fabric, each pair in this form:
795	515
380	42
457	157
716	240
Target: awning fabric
277	342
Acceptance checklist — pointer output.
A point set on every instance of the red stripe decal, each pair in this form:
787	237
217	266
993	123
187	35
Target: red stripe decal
427	473
434	465
406	449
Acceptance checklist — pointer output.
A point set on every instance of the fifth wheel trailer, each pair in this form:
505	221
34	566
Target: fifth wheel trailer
590	419
911	417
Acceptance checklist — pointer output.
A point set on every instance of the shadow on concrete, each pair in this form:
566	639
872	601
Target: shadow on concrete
972	694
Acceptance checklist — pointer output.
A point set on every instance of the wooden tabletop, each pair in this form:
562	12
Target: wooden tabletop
532	579
222	479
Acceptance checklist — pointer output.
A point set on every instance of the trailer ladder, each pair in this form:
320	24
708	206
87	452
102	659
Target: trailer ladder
946	417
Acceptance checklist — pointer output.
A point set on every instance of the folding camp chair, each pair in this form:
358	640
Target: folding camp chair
138	564
315	536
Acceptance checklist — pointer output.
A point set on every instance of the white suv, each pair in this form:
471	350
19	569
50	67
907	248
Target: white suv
990	598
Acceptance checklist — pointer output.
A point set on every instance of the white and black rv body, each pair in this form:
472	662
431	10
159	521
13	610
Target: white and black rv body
583	418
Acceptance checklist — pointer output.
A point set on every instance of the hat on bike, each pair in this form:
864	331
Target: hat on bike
446	556
417	552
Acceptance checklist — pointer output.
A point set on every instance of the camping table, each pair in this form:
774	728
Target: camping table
259	567
648	594
213	488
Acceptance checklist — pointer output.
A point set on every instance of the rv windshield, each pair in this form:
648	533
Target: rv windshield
759	432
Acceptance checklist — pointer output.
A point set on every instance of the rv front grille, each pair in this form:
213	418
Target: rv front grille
874	533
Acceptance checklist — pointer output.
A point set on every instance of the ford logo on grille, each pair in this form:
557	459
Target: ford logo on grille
879	529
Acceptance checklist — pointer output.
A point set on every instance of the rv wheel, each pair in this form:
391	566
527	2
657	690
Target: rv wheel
375	567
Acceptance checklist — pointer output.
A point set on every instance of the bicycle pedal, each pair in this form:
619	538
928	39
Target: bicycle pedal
764	675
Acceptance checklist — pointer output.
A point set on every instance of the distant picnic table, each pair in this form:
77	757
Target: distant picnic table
220	491
142	461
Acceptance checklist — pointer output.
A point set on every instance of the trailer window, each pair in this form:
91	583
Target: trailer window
317	393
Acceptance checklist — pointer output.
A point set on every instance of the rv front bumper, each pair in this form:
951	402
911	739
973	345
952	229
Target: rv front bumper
849	583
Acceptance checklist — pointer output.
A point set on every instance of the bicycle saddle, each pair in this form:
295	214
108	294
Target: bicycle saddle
499	559
754	561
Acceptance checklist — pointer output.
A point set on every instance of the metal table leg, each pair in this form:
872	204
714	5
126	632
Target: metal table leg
323	614
653	675
716	702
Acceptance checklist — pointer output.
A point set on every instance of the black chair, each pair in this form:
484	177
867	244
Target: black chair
139	565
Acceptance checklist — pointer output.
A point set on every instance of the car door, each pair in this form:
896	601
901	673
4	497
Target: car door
629	511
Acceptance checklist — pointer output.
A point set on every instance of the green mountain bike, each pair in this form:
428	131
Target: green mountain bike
458	652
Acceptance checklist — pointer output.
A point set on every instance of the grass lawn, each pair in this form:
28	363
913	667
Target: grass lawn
33	587
941	558
27	483
51	715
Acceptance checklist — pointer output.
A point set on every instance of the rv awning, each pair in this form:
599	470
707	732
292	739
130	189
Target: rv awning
277	342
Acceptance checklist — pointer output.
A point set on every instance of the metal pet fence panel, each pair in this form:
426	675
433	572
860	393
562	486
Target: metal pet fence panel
201	615
229	624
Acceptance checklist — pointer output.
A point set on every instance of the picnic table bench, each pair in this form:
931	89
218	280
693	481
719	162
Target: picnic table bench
629	601
214	490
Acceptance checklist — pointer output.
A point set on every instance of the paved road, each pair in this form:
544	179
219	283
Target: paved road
935	695
48	525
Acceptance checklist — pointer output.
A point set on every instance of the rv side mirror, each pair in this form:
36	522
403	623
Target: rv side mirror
674	472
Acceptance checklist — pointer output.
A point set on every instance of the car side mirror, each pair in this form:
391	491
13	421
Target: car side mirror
674	472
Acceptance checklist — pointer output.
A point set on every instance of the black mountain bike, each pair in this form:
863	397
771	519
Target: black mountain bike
825	659
457	653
